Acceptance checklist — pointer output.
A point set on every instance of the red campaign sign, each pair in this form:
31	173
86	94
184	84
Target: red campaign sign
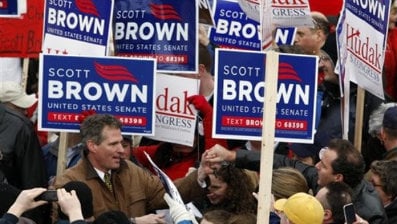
22	37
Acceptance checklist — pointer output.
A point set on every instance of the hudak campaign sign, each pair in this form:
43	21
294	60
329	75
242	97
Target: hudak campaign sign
175	118
361	39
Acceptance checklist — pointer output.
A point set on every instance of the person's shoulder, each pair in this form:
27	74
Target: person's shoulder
391	154
366	194
130	167
77	172
15	117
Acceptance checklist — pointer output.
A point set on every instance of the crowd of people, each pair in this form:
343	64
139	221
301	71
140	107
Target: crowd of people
108	178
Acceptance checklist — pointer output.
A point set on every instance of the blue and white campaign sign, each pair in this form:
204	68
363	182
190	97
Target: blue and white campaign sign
239	96
233	28
79	27
361	37
163	29
71	87
285	35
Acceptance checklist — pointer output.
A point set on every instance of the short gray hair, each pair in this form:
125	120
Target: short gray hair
376	118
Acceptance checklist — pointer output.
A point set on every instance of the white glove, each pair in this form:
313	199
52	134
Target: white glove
178	211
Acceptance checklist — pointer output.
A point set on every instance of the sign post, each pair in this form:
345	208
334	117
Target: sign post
268	131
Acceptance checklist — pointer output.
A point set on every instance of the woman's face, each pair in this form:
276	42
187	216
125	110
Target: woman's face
217	190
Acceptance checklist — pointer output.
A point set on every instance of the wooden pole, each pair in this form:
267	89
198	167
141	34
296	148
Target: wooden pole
63	145
359	118
268	132
25	73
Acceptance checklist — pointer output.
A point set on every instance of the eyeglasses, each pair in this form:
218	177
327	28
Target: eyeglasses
321	153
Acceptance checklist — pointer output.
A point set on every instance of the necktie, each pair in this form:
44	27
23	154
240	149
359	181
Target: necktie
108	182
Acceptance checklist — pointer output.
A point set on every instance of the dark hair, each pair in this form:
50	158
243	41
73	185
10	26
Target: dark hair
93	125
165	156
247	218
387	172
239	198
205	57
291	49
349	162
338	195
112	217
84	194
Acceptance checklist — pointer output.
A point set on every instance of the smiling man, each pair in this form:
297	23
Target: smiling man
116	183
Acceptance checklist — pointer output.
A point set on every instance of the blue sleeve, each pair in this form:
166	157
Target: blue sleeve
8	219
274	218
185	222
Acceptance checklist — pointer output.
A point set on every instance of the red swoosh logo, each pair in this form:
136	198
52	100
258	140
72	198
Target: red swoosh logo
287	72
114	72
164	12
87	7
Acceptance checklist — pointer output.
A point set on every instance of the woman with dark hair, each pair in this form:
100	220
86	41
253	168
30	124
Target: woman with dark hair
230	188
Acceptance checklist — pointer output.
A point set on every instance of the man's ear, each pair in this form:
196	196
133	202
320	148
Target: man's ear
339	177
91	146
327	215
320	36
382	135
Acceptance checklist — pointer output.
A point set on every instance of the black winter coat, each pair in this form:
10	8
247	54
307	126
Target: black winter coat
21	158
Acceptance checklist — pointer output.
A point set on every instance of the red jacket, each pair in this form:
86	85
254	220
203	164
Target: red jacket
328	8
390	65
178	166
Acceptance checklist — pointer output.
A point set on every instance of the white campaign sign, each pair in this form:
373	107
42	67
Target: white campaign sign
361	40
175	119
